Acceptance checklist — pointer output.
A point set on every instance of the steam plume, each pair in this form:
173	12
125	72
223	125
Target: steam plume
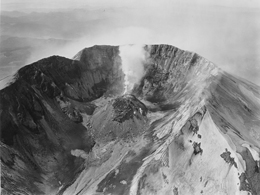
133	58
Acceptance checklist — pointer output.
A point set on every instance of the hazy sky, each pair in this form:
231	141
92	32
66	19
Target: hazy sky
61	4
224	31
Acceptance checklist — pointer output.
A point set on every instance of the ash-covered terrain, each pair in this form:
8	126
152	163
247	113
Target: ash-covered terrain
131	119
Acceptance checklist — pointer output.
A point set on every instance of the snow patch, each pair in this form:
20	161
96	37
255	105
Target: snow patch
253	151
79	153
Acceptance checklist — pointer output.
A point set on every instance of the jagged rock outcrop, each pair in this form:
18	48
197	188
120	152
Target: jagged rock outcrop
127	107
124	117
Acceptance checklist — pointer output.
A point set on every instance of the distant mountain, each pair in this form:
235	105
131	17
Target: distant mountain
186	127
15	51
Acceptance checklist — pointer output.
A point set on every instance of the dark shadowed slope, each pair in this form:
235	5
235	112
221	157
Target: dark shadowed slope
41	120
186	128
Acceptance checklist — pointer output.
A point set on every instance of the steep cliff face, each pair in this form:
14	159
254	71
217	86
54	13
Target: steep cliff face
168	71
186	128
